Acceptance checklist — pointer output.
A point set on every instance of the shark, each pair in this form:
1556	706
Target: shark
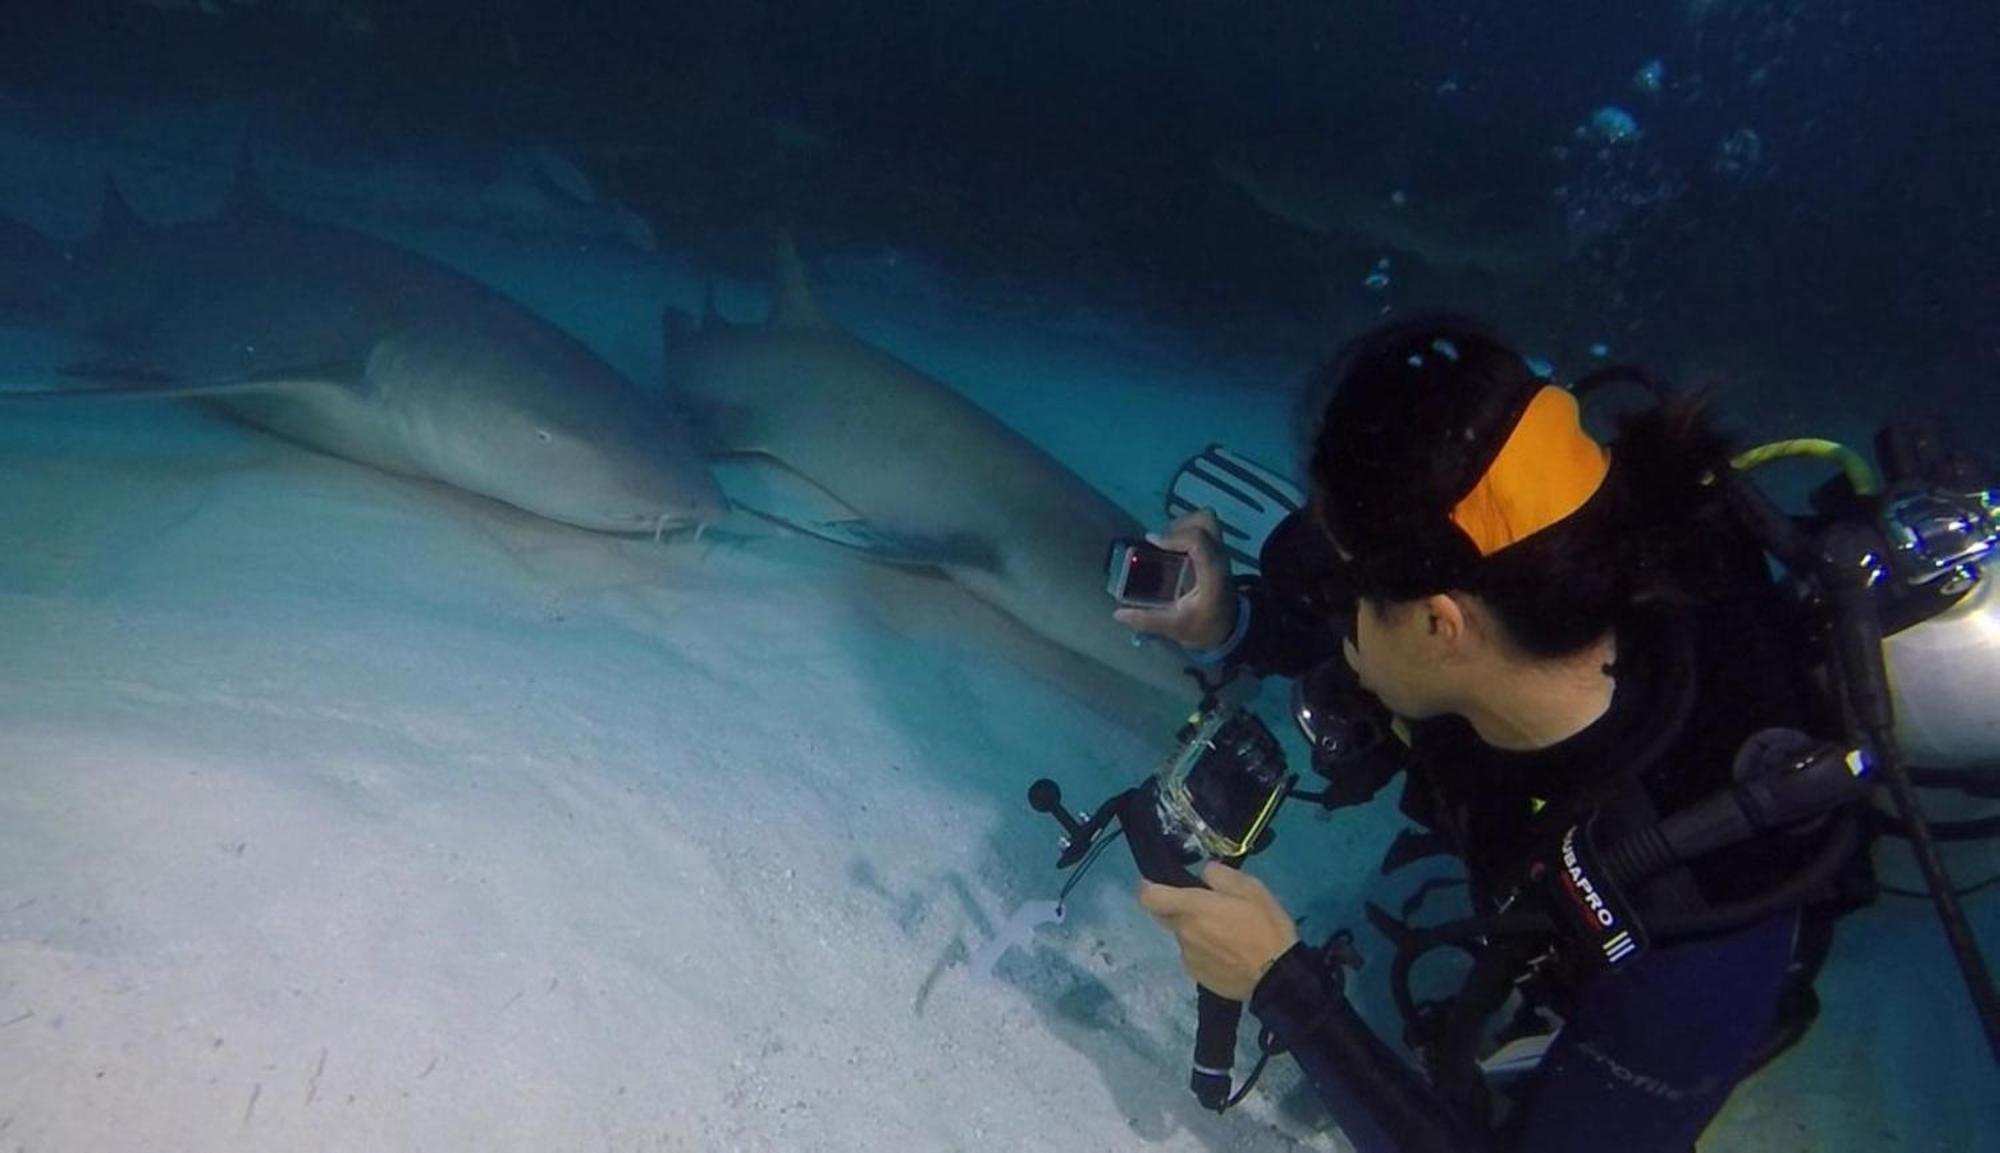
367	351
1465	230
832	436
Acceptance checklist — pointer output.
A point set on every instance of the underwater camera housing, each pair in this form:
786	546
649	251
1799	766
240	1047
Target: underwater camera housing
1219	791
1215	796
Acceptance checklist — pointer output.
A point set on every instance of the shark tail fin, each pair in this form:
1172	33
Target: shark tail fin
792	303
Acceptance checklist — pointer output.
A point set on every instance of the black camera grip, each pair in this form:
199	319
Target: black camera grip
1159	859
1162	862
1216	1020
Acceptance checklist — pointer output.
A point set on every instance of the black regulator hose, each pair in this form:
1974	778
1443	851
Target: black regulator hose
1843	839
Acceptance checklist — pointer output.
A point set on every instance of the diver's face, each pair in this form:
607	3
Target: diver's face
1399	656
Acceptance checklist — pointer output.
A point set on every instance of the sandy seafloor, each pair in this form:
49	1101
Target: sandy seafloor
339	811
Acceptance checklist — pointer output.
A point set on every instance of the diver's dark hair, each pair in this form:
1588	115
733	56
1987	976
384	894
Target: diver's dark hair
1417	411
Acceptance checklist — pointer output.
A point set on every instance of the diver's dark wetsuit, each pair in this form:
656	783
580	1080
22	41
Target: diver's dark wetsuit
1647	1055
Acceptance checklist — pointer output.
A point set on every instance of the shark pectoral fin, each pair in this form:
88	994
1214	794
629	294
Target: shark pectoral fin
756	479
773	491
130	381
954	550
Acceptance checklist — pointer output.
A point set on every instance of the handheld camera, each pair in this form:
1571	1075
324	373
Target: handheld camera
1144	575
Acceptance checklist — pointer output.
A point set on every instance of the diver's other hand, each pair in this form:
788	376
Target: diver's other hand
1205	615
1231	933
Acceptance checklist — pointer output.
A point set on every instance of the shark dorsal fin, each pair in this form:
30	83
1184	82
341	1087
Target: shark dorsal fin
116	218
792	303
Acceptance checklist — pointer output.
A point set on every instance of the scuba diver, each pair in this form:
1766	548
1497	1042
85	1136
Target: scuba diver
1569	652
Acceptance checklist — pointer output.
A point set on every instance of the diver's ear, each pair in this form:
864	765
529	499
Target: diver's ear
1446	619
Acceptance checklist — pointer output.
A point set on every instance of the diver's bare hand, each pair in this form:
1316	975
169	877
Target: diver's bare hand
1230	932
1205	615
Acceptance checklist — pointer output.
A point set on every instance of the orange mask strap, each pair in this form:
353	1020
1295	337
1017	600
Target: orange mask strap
1547	470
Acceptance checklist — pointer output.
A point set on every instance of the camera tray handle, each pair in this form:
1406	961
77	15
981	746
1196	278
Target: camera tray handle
1163	862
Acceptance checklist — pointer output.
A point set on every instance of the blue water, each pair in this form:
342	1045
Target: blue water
1787	200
